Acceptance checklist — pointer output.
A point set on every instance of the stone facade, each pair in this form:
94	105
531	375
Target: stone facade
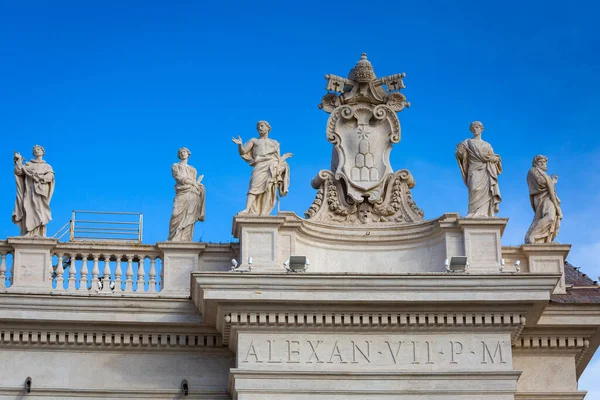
388	305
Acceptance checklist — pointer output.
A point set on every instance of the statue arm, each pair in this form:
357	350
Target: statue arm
246	148
463	163
553	196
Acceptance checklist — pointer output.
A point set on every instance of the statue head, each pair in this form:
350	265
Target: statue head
184	153
38	151
263	127
476	128
541	162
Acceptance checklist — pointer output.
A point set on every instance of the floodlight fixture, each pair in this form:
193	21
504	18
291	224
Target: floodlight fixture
457	264
296	264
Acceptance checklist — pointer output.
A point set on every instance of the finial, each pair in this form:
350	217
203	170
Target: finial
363	56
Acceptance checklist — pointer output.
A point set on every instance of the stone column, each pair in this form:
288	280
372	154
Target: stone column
179	260
32	261
482	243
544	258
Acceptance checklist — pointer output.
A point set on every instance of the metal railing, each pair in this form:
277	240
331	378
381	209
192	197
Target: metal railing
101	225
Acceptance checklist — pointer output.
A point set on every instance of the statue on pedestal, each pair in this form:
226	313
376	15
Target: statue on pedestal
271	172
35	186
362	187
544	201
480	167
188	206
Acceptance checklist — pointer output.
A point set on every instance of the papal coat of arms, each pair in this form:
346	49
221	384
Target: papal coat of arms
362	187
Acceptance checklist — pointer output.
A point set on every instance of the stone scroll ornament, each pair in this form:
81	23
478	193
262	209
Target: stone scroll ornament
362	187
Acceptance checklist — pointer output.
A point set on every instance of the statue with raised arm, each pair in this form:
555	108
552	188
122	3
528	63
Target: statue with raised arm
35	186
480	167
544	201
188	206
271	172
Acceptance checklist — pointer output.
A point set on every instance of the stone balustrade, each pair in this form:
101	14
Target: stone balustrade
43	265
127	271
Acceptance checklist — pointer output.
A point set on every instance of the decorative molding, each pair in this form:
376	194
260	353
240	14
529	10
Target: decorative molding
578	343
372	320
77	338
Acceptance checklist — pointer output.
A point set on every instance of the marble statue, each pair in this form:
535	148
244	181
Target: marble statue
188	206
480	168
362	187
271	172
35	186
544	201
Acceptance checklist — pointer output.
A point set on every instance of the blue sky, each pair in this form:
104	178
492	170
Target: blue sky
113	89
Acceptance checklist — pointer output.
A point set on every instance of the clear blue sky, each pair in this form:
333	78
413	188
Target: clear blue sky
113	89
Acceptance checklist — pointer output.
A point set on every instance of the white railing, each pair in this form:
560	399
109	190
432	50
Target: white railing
100	268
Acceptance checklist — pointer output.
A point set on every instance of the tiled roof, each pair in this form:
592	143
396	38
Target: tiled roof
583	290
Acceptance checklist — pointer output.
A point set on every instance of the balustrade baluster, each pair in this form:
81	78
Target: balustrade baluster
106	274
2	270
118	274
95	273
162	276
141	281
152	276
129	274
84	272
59	273
72	272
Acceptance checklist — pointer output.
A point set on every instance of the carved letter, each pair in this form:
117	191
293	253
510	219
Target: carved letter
336	353
314	354
429	353
252	352
271	352
456	352
394	354
498	351
415	353
355	347
291	352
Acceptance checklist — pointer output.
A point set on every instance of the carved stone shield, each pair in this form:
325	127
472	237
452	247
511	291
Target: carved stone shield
363	136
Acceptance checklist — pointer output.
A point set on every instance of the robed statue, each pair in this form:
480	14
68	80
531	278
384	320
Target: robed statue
188	206
35	186
480	168
271	172
544	201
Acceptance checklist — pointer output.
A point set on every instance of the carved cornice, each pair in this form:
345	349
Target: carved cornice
577	344
97	340
370	320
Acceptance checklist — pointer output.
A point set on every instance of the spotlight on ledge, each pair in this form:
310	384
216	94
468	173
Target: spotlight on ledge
296	264
240	267
456	264
185	389
502	265
28	384
517	265
505	271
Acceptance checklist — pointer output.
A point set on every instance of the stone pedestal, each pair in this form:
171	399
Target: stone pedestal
259	240
179	259
548	258
482	243
32	262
